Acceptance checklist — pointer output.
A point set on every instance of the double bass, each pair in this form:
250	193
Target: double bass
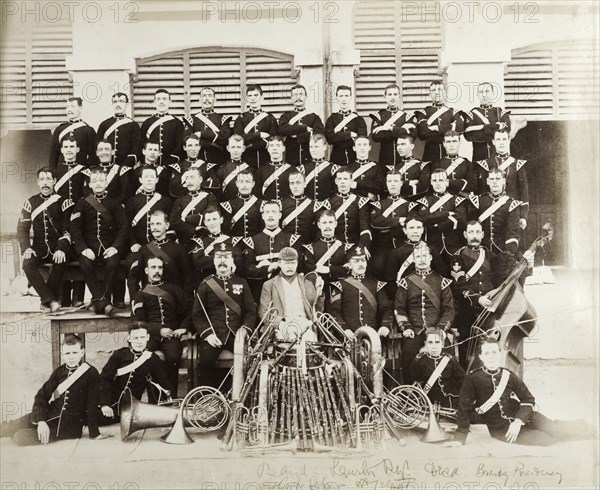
511	317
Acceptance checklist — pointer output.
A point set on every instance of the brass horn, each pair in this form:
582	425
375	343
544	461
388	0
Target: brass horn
136	415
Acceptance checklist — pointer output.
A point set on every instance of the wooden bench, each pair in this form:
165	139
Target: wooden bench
73	272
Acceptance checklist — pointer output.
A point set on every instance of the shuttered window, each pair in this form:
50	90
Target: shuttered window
554	81
227	70
395	47
35	82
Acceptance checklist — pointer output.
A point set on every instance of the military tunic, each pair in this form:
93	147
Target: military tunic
167	131
81	132
342	151
403	124
298	135
125	137
485	121
319	178
256	153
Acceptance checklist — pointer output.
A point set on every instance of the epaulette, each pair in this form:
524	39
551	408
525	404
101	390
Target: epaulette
124	170
445	282
86	172
294	238
483	164
424	164
176	167
376	204
362	201
226	206
67	203
459	200
309	247
474	200
423	201
224	118
514	205
520	163
189	120
380	285
26	206
403	284
249	242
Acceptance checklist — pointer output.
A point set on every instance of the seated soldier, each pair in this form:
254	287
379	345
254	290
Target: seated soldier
56	419
131	368
507	407
47	214
165	308
438	373
223	304
296	299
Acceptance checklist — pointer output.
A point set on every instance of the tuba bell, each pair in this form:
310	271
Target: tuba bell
137	415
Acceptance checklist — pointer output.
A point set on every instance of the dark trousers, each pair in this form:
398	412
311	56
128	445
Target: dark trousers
100	289
172	350
410	349
207	358
48	291
392	352
542	431
465	317
24	433
78	290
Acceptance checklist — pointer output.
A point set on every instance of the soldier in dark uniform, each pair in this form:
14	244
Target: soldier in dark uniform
188	211
319	173
122	132
255	126
212	128
343	127
444	216
66	402
472	280
223	304
462	178
164	308
389	124
75	128
132	368
298	126
205	246
484	121
227	173
438	373
388	217
151	155
351	212
368	176
261	251
208	171
435	121
117	175
498	214
165	129
423	300
69	185
243	213
272	178
298	211
415	173
514	172
176	260
327	255
99	233
507	407
47	214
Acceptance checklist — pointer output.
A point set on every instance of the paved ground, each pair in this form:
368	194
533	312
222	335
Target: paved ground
561	370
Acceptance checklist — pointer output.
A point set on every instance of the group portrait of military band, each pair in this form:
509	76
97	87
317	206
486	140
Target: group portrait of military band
217	221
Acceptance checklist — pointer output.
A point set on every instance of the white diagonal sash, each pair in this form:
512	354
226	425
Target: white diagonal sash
67	383
454	165
329	253
345	205
117	124
255	121
507	163
155	198
274	176
159	170
389	124
45	205
135	364
396	204
362	169
492	400
492	209
405	265
295	213
484	119
70	128
67	176
345	121
243	209
208	122
477	265
407	166
440	203
158	122
315	171
441	111
192	204
298	116
219	239
437	372
112	173
234	173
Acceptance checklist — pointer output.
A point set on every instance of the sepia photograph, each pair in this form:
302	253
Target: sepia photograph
289	245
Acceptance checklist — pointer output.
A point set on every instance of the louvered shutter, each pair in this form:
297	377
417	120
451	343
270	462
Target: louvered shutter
13	71
554	81
274	75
